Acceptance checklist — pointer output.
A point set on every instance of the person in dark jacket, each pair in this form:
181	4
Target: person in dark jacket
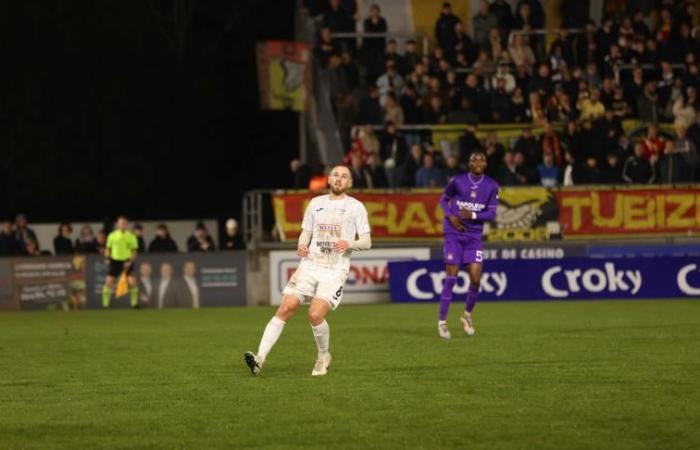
162	243
637	170
232	239
62	244
9	245
445	26
86	243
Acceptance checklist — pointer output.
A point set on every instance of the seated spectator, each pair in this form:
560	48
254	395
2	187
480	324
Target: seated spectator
548	172
611	172
232	238
162	243
409	103
591	108
86	243
23	233
590	173
620	106
501	104
200	241
392	110
520	52
32	249
430	176
435	112
101	241
360	177
9	245
685	107
62	244
637	169
464	114
528	146
377	173
411	166
369	140
526	173
410	58
452	168
503	73
137	229
541	83
519	107
495	46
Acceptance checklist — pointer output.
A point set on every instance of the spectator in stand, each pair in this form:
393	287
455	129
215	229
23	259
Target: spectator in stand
392	146
620	106
519	107
101	241
648	109
507	173
137	229
452	168
463	44
503	73
369	110
611	172
482	24
528	146
637	169
570	169
23	233
232	238
548	171
62	244
200	241
468	142
31	248
591	108
410	58
9	245
504	16
360	177
326	47
430	176
390	81
392	110
525	173
369	141
550	142
536	112
445	26
590	173
346	116
478	97
411	166
685	107
86	243
464	114
520	52
409	105
435	112
501	103
162	243
350	72
338	20
494	154
685	147
652	143
372	52
377	174
570	140
391	53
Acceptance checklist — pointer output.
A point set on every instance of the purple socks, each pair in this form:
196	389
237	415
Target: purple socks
446	296
471	297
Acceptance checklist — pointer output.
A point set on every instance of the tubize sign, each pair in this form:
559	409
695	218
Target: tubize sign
554	279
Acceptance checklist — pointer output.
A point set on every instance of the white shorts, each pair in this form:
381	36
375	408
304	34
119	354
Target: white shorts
312	281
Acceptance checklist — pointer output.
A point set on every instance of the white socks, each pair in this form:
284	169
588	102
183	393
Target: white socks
322	334
272	332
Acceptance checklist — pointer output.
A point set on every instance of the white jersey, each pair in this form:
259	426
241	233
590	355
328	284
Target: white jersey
330	221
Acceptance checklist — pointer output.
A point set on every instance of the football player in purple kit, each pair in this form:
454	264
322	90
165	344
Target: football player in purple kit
468	201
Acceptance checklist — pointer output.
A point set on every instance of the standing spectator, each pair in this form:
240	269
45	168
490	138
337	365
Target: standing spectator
390	81
200	241
338	20
525	173
550	143
482	23
9	245
350	72
590	172
62	244
637	170
611	172
137	229
409	105
326	47
411	166
671	168
648	103
162	243
435	112
369	110
410	57
376	172
392	146
494	154
507	173
548	172
463	44
429	176
686	148
22	231
527	145
452	168
445	26
652	143
86	244
372	52
501	104
232	238
592	108
504	15
101	241
520	52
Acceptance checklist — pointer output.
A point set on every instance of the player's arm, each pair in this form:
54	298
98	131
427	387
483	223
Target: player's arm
445	199
108	245
489	213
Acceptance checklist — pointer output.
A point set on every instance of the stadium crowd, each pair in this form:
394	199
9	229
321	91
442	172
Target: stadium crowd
640	63
19	239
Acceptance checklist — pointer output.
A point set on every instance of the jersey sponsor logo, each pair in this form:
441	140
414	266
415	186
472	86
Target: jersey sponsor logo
560	283
471	206
328	227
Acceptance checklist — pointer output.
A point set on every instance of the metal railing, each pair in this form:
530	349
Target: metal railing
425	41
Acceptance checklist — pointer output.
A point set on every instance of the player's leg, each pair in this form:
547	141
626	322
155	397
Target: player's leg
452	250
133	289
474	270
322	334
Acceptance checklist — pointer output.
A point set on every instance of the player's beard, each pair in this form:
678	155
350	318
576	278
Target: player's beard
338	190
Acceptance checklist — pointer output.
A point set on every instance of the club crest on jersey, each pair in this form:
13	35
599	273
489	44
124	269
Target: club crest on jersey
449	256
473	194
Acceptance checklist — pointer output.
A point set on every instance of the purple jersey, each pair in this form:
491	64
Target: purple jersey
475	194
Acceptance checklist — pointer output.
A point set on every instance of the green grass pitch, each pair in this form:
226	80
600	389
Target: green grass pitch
578	375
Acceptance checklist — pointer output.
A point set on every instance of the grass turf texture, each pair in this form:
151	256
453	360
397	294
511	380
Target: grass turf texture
538	375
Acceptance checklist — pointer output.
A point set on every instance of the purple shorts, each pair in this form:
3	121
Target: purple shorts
459	250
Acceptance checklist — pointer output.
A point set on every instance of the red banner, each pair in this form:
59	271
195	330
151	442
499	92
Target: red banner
649	211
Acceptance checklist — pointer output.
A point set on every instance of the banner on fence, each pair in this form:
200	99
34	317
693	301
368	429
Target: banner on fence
368	281
654	211
524	214
567	279
284	75
171	280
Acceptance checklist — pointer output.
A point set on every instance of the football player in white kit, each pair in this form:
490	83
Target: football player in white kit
334	226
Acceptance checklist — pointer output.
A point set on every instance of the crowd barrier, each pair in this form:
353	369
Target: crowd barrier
524	213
